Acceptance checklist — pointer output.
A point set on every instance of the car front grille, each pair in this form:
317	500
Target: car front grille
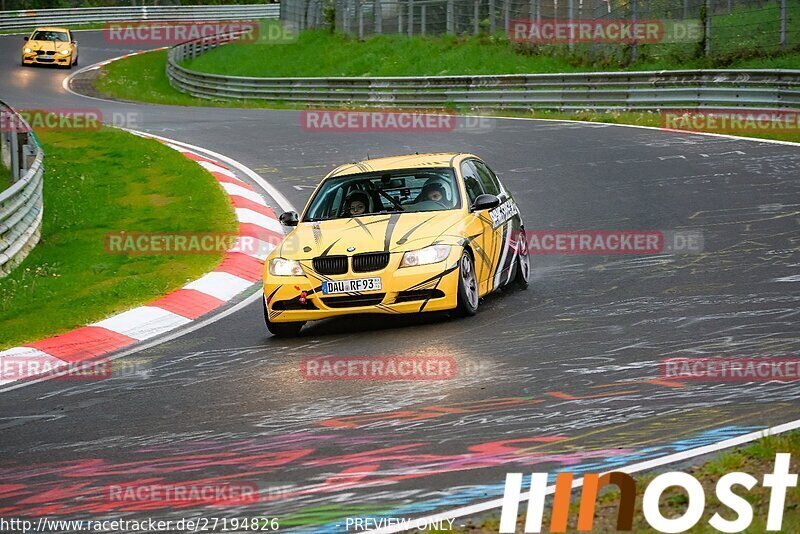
352	301
330	264
370	261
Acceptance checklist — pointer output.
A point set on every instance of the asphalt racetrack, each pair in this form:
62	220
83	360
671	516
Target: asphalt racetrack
564	374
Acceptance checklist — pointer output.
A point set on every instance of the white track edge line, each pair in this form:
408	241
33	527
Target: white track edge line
194	325
631	468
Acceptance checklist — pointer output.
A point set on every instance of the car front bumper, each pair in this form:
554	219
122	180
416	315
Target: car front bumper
56	59
417	289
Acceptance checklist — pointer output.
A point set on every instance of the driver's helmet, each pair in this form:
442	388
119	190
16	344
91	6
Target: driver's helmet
434	184
360	196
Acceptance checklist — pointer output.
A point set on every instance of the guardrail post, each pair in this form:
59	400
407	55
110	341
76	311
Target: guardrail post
28	154
634	45
506	15
451	19
378	8
410	18
360	8
709	10
784	17
476	17
571	17
491	17
15	174
423	13
400	17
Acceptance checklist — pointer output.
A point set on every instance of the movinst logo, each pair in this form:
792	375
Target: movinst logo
779	480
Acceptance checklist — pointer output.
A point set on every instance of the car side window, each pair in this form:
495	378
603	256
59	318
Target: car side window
488	179
472	182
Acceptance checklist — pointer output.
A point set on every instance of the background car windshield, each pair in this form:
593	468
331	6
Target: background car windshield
50	36
397	191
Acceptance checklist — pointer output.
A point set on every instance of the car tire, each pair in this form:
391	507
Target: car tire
468	298
523	276
281	329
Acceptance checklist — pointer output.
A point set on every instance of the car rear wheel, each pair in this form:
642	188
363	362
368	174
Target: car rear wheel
281	329
467	286
523	276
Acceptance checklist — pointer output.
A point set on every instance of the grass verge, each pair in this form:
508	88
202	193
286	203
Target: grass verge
97	182
398	55
72	27
142	78
755	459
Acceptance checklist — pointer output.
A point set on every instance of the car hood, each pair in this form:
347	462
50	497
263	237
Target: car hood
392	232
48	46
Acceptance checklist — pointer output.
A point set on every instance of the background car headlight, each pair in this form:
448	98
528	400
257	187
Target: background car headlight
284	267
425	256
28	50
65	52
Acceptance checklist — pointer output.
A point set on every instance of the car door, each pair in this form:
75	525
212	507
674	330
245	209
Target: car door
507	224
480	229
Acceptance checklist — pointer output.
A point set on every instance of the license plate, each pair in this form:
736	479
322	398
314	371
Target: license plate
356	285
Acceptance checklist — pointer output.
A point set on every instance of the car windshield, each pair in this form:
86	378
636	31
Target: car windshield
405	190
46	35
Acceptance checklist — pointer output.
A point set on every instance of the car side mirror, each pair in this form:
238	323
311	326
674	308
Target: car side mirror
25	38
289	218
485	202
74	42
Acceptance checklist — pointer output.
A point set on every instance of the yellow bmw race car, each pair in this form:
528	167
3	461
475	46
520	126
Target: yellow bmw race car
50	46
402	234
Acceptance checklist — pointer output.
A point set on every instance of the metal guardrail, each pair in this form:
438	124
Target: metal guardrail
11	20
20	204
645	90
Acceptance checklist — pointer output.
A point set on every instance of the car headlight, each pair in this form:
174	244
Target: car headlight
284	267
425	256
28	50
65	52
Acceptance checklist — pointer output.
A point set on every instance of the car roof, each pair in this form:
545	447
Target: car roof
408	161
51	29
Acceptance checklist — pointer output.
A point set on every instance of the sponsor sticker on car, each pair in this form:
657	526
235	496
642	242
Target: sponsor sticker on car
502	213
356	285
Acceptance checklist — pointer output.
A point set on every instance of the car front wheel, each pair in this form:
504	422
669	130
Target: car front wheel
467	286
281	329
